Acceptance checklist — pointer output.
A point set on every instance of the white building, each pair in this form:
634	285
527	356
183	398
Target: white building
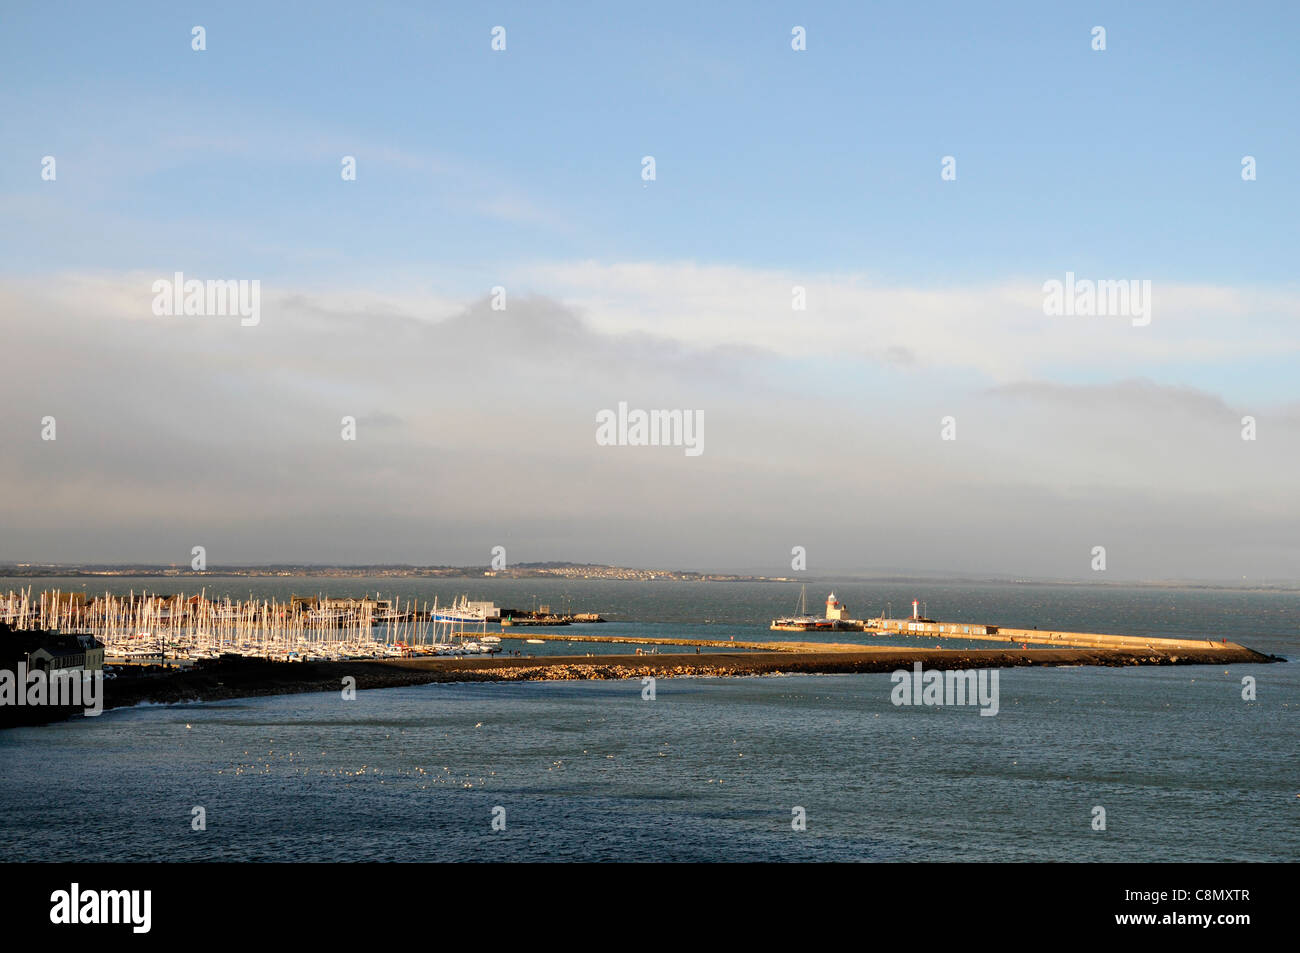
836	610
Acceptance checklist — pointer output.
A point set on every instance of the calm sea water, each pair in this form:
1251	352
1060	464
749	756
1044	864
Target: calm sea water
710	769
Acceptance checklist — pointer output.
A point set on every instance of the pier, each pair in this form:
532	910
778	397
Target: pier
1046	638
836	619
701	643
1000	633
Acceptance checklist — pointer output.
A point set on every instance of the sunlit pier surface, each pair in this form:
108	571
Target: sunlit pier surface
1000	633
946	630
701	643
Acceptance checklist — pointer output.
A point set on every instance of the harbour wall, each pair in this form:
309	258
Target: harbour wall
1001	633
941	630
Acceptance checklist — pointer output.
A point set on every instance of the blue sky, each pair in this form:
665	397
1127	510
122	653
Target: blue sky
1119	162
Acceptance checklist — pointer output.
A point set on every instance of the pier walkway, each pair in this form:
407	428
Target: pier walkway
1000	633
703	643
895	627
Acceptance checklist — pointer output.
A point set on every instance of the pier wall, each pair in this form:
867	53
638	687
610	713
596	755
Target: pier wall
1002	633
942	630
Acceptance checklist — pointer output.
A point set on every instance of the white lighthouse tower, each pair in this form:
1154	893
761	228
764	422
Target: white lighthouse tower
835	610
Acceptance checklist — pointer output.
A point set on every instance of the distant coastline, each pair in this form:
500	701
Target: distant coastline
521	571
586	571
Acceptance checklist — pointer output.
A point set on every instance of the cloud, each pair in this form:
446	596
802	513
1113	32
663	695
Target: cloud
1120	396
476	428
996	330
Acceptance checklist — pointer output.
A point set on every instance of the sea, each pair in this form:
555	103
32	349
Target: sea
1181	763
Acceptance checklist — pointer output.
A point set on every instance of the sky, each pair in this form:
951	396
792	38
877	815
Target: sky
523	169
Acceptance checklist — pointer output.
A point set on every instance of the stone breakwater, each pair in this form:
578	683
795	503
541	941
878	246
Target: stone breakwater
246	679
561	673
785	663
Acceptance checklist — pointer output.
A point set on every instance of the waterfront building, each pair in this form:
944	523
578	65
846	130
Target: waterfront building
50	651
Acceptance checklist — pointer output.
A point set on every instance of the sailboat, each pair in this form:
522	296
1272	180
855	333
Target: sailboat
459	611
801	621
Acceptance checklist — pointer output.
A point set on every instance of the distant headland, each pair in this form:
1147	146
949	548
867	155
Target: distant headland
557	570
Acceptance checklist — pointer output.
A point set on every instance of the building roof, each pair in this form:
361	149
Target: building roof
18	645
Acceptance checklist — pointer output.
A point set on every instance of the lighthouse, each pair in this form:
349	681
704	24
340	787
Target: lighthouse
916	609
835	610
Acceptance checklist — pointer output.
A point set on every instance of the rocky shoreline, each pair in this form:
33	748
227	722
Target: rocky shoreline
255	678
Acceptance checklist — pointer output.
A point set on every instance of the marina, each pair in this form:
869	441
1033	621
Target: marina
180	630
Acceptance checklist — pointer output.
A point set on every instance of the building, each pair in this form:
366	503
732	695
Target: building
488	610
60	691
50	651
836	611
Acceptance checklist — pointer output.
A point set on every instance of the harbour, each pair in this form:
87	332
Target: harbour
991	554
462	729
165	649
179	630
